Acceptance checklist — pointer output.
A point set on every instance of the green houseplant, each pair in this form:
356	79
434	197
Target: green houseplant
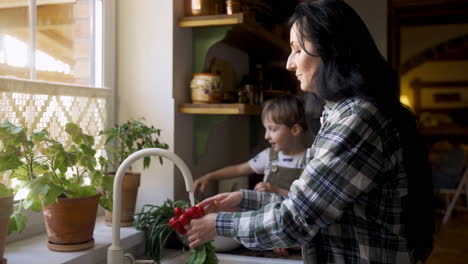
55	175
121	141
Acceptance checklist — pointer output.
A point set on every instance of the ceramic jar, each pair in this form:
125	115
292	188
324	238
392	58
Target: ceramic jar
206	88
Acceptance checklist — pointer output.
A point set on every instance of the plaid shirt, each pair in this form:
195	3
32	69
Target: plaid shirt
347	205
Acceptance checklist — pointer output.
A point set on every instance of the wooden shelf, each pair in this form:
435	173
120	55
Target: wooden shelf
458	131
212	20
220	109
245	34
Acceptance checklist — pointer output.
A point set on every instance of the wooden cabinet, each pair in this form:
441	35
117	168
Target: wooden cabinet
236	31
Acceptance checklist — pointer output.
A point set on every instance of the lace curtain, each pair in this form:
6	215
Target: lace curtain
42	105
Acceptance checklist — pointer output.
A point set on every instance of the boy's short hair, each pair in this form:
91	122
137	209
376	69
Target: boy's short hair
285	109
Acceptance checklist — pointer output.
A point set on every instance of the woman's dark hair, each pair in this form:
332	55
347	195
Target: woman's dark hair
285	109
353	66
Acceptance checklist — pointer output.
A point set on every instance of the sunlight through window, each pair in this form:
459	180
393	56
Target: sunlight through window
14	53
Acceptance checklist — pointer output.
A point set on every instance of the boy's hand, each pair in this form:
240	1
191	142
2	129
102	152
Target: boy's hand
281	251
201	182
265	187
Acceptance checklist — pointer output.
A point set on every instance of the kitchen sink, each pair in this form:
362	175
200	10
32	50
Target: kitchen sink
232	259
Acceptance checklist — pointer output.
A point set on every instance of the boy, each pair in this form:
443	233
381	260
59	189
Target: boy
282	163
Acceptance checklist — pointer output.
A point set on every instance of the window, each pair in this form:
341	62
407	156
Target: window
51	68
55	41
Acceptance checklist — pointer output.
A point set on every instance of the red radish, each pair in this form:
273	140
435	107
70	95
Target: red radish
184	219
178	211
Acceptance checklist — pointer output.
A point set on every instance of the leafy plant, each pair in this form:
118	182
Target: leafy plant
155	222
124	139
47	168
5	191
121	141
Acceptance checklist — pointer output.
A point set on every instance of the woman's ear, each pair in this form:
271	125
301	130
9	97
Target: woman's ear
296	130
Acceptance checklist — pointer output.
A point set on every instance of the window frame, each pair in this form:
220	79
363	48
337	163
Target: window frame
35	224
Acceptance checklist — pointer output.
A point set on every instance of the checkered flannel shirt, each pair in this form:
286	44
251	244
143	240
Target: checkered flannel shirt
346	206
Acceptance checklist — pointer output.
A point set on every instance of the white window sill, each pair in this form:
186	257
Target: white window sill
34	249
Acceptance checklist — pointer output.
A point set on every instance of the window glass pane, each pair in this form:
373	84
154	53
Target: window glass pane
14	38
65	41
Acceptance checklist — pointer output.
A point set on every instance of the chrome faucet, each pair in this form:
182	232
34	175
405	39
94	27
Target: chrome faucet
115	253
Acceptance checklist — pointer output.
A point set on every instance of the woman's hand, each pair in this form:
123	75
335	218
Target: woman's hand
223	202
201	182
201	230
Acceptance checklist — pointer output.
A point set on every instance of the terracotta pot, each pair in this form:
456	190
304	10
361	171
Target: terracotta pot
130	185
6	209
70	222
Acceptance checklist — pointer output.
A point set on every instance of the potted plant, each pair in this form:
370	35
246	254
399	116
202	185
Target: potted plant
6	208
55	176
159	223
121	141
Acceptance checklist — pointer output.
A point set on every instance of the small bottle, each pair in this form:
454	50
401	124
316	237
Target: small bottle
259	83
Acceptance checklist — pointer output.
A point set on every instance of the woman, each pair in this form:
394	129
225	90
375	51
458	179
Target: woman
365	195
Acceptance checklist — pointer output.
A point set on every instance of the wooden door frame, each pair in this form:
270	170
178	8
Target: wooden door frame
420	13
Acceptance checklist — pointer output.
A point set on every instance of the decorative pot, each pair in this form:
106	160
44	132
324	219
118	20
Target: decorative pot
130	185
70	223
206	88
6	209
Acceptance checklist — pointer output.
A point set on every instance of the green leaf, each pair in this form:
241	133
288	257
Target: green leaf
40	169
5	191
87	149
53	192
39	186
32	202
17	222
192	255
39	136
75	190
201	254
108	182
20	173
105	202
9	161
88	162
75	131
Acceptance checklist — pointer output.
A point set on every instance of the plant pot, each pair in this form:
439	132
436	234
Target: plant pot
70	223
6	209
130	185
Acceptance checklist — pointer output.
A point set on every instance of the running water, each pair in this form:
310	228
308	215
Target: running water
192	198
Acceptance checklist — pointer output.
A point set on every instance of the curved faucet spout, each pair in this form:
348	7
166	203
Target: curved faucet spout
115	252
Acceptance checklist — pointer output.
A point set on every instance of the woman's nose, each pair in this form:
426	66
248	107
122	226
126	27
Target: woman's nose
290	65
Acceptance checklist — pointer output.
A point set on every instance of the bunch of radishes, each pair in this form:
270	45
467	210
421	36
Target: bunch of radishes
182	218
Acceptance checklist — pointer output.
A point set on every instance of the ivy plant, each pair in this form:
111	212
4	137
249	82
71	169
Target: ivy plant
48	168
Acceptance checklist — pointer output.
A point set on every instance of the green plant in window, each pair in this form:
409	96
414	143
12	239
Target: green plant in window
48	168
124	139
129	137
5	191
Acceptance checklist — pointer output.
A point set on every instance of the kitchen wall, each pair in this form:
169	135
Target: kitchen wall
145	78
